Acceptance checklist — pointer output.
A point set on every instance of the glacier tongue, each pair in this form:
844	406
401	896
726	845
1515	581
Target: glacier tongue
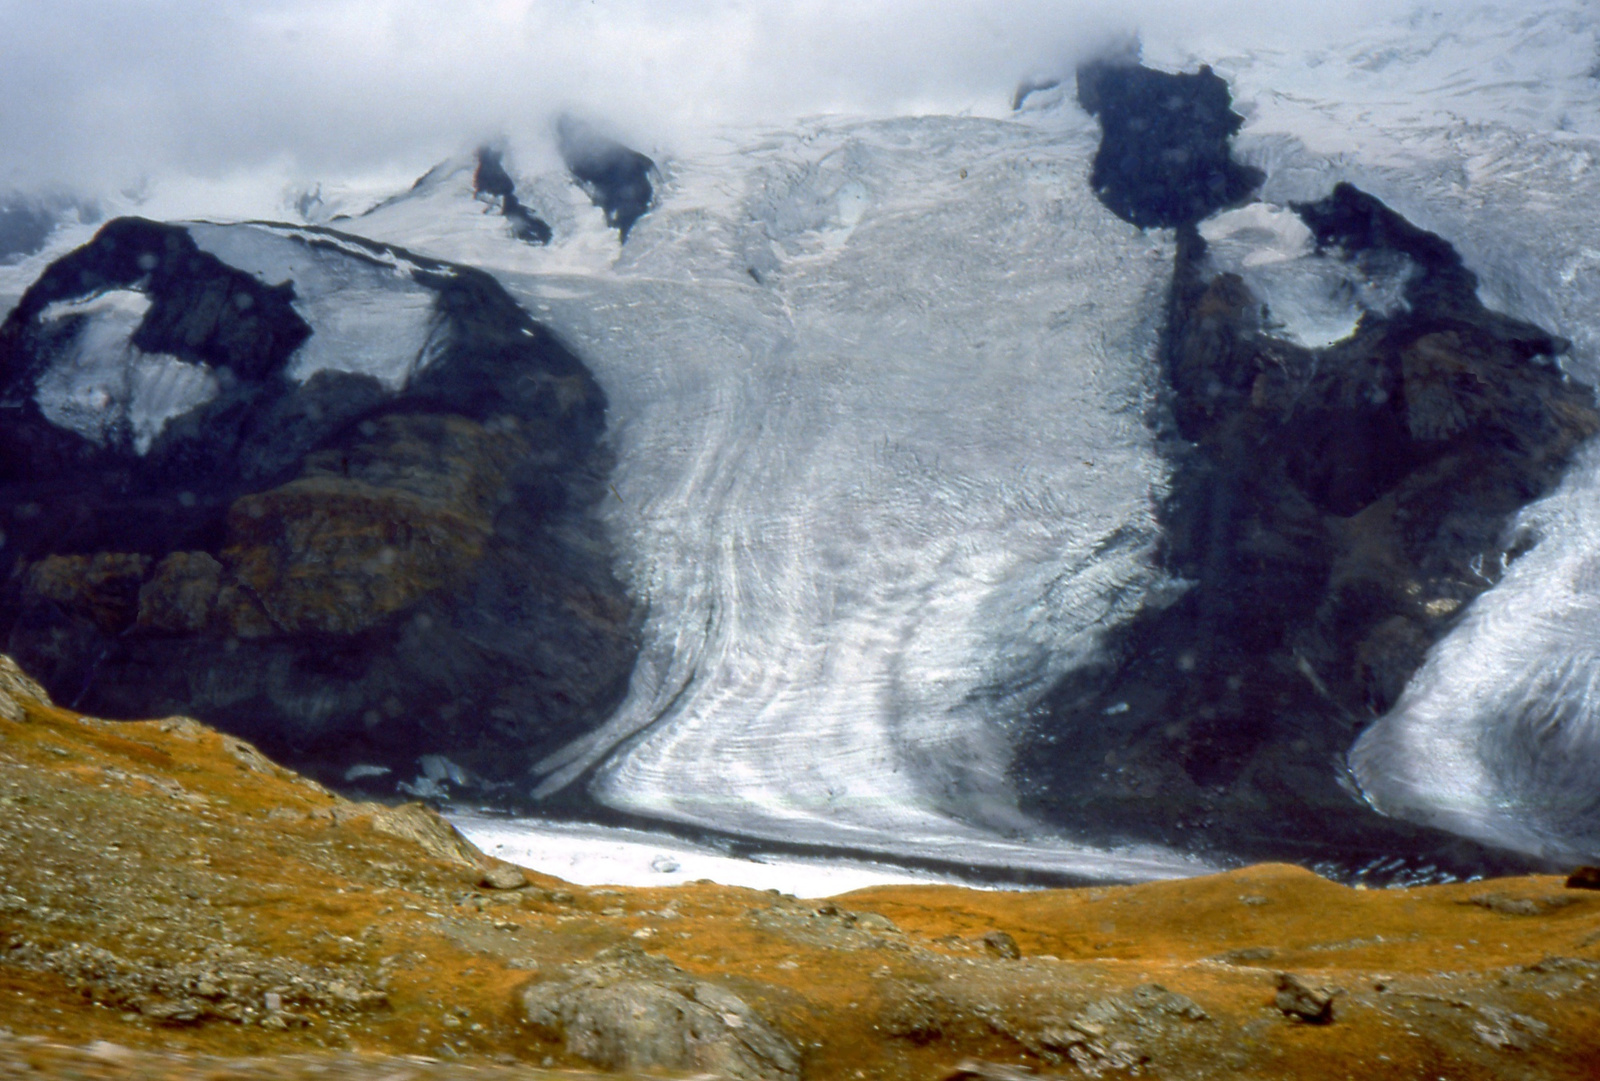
878	393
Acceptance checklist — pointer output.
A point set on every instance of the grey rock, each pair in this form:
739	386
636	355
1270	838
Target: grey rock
625	1011
423	825
1153	998
1002	945
15	688
1313	1005
502	876
872	921
974	1069
1505	905
1508	1031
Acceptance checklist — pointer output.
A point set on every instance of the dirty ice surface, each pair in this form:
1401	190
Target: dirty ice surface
105	388
879	392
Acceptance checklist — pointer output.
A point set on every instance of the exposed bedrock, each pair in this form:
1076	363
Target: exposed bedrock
1164	155
1333	509
1351	434
358	554
491	181
616	177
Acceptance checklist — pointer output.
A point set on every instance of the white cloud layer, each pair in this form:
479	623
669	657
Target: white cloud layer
99	93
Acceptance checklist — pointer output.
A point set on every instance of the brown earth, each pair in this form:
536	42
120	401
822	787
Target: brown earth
172	904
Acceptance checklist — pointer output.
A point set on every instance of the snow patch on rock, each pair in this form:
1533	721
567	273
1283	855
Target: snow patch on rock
105	388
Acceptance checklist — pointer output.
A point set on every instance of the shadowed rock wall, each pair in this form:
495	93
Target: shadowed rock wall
341	572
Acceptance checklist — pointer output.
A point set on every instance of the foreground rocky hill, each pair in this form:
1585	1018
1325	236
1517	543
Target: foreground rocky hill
174	904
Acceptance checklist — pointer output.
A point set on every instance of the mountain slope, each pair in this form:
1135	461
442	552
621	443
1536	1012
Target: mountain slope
173	902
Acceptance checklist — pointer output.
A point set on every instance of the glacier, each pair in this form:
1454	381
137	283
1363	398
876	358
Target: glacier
367	314
879	396
106	388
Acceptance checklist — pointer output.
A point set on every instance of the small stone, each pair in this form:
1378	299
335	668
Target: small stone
182	1012
1002	946
872	921
503	876
1313	1005
1505	905
106	1051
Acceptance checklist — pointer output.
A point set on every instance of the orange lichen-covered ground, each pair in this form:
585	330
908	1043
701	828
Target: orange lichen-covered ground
172	904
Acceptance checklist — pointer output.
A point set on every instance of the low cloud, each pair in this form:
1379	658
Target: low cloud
100	93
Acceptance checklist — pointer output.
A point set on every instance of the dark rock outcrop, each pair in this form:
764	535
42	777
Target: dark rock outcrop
340	569
616	178
1333	510
1164	155
492	181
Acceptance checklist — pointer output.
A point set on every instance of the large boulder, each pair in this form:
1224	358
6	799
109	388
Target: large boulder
324	493
629	1011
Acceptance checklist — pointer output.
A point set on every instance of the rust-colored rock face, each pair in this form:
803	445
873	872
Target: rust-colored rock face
181	596
365	533
102	588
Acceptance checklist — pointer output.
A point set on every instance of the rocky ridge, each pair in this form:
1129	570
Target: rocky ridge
175	904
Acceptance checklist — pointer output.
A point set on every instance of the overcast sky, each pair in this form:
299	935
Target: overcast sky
100	92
